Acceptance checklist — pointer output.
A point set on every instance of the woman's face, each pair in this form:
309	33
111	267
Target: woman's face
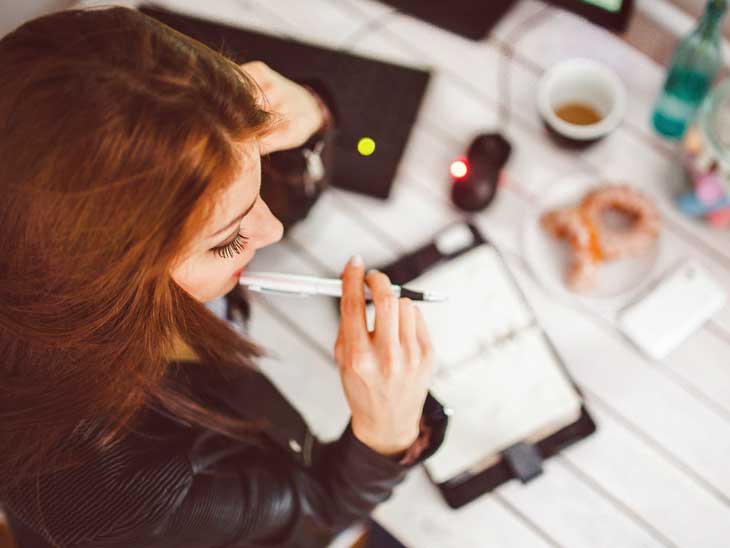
240	223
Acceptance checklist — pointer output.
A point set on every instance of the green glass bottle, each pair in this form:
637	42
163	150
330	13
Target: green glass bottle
693	68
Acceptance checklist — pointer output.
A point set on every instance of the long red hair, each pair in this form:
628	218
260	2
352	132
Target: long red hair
116	134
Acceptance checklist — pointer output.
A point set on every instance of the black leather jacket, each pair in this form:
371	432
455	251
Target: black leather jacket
171	485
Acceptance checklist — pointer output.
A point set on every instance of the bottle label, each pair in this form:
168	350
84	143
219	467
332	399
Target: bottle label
688	84
674	107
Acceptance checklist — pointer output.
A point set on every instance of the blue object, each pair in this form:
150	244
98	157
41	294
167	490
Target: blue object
691	205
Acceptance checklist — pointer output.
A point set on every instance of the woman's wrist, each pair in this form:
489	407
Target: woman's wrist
413	453
390	446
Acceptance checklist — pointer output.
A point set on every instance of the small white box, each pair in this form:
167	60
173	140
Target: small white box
672	310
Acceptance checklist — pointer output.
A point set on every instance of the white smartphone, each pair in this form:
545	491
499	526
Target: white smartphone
672	310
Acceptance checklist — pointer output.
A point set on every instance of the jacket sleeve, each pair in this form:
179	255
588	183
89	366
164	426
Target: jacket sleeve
265	497
219	493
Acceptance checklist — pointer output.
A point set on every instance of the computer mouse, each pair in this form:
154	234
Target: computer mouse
476	177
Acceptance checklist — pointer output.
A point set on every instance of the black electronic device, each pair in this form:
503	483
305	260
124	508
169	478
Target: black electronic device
476	176
377	101
474	19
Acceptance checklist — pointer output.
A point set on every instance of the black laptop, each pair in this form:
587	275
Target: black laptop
376	100
475	18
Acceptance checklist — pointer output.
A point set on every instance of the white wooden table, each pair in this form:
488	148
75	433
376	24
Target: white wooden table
657	472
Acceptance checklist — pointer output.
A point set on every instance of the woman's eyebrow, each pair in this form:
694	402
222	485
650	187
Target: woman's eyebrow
235	220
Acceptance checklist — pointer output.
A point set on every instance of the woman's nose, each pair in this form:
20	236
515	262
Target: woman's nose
277	230
270	228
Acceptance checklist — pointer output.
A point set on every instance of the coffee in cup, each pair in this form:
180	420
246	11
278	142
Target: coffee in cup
581	101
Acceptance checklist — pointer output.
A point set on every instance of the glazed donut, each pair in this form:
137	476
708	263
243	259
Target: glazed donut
644	216
592	241
569	225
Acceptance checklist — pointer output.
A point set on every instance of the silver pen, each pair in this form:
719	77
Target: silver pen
304	286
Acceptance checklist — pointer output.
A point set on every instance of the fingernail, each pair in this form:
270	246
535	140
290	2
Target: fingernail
356	260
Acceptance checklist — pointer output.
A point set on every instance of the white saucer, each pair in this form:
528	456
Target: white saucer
549	258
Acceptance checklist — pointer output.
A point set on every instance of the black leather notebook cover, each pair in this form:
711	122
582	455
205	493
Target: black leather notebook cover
464	489
374	99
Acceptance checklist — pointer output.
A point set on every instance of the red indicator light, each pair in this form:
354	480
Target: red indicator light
459	169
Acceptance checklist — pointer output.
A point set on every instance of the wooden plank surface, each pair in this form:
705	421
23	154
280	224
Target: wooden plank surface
427	154
667	529
656	472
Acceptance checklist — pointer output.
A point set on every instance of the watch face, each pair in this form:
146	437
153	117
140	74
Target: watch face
314	165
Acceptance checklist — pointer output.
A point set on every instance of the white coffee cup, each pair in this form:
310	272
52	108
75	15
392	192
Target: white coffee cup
586	82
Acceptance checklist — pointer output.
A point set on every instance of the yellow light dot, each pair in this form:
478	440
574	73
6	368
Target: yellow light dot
366	146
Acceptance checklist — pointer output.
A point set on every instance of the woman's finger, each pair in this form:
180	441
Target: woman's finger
407	326
258	70
268	144
339	348
424	339
278	138
352	304
386	309
264	78
274	98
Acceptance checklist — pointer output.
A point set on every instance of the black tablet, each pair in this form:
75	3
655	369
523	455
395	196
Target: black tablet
613	14
376	101
475	18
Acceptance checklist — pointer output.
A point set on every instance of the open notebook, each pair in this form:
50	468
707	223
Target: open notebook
495	368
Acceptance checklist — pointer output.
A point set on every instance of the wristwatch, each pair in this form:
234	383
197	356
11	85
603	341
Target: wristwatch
293	179
312	150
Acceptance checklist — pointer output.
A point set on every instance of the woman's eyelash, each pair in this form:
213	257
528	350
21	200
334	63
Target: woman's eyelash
235	246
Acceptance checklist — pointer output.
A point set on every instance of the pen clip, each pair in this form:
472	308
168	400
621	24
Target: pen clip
270	291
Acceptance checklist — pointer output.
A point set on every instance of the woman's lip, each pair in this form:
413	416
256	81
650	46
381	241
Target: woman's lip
238	272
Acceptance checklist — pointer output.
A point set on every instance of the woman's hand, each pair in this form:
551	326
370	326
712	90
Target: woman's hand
300	112
386	372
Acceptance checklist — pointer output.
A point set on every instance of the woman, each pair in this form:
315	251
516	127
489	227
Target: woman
130	415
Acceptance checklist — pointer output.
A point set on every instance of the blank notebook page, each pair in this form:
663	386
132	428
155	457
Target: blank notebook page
495	368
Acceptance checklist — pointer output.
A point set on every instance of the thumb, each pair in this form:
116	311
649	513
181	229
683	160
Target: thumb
271	142
265	146
281	136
